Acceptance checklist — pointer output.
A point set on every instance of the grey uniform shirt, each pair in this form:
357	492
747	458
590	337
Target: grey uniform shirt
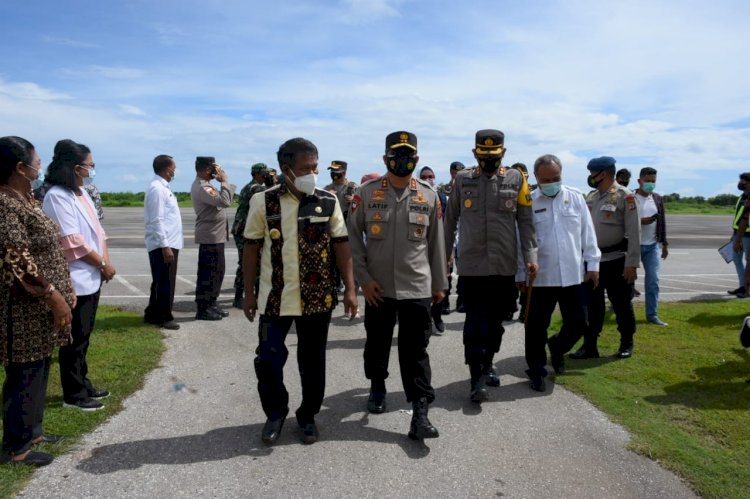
341	191
404	249
615	215
490	209
211	225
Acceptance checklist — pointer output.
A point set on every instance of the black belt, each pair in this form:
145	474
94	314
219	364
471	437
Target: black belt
621	246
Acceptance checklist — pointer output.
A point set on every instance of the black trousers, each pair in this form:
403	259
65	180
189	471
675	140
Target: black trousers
210	274
24	398
271	355
163	279
414	330
572	301
239	276
487	300
620	293
73	367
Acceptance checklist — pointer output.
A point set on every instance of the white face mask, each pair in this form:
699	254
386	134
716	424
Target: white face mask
305	183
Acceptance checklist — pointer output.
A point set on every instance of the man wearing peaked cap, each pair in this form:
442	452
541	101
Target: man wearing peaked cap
341	186
491	202
211	232
401	268
614	211
259	172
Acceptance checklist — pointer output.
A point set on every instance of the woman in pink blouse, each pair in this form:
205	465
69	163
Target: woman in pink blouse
84	243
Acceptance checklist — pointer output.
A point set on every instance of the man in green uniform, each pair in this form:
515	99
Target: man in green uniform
259	172
341	186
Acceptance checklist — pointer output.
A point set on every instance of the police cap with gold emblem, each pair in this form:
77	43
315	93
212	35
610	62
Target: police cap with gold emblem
338	166
258	168
396	140
601	163
490	142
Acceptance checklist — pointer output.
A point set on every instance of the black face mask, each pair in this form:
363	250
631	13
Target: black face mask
401	165
336	176
268	181
489	164
741	186
593	183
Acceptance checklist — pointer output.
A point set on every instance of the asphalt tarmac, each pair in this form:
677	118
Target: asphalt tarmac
194	428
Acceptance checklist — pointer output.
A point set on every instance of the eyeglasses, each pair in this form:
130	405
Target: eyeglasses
88	167
35	168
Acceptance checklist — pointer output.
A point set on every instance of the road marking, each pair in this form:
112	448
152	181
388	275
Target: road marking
186	281
672	279
125	283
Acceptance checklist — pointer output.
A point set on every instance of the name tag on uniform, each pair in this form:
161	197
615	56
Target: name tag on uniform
608	207
318	219
540	211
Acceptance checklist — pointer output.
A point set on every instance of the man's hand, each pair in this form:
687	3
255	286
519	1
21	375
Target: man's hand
348	198
738	245
221	176
521	286
664	251
437	296
531	270
630	274
108	272
351	307
167	254
593	278
250	305
373	292
647	220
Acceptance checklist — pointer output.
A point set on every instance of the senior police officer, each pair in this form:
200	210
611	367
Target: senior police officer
401	269
491	202
341	186
259	171
211	232
614	211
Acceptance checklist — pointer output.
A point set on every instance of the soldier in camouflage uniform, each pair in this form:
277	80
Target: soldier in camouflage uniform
259	172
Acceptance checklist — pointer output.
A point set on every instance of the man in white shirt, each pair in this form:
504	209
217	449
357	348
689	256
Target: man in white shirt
568	255
653	239
163	241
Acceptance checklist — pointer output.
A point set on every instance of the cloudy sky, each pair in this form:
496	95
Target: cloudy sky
652	83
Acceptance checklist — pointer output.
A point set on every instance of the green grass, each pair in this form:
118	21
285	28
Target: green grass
135	199
123	350
682	208
683	395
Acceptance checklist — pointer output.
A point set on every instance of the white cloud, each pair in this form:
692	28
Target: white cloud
69	42
368	11
29	91
133	110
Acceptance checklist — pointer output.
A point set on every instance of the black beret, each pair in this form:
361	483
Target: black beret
602	163
205	160
456	166
400	139
489	141
338	166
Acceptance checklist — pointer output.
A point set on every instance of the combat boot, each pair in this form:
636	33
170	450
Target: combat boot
420	426
479	391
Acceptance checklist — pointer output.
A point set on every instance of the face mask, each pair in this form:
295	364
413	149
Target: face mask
648	187
305	183
35	179
624	183
489	165
551	189
336	176
741	186
593	183
401	166
430	181
268	181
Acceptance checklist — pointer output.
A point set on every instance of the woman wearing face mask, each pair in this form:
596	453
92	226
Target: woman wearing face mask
84	243
35	301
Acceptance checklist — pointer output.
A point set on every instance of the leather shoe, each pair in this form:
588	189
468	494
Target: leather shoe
479	391
272	430
310	433
585	353
47	439
491	377
208	315
172	325
32	458
219	311
537	384
624	352
440	328
376	402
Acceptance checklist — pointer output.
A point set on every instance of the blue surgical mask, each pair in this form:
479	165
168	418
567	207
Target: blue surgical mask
551	189
648	187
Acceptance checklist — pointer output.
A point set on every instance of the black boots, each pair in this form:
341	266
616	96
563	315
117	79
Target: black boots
239	301
420	426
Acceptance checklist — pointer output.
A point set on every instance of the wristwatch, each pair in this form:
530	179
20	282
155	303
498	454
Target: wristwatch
103	264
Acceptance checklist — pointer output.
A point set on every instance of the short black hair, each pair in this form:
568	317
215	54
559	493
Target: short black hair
745	176
647	170
291	148
623	172
12	151
520	167
62	170
162	162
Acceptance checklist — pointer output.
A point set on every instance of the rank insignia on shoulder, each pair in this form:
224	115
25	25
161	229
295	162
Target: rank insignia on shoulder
210	190
630	199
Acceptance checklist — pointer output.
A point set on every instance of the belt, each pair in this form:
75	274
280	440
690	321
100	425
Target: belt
621	246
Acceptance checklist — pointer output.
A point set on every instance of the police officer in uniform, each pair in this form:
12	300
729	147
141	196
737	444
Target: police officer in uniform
491	202
211	232
401	269
617	223
340	185
257	184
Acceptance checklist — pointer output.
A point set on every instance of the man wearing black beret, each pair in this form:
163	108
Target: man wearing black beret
614	211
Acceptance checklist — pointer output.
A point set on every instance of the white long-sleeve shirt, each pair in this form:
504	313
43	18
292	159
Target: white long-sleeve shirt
565	237
162	217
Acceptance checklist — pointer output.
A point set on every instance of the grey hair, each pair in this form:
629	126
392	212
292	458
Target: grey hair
547	159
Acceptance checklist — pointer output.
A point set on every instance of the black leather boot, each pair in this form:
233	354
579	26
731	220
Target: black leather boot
420	426
239	300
